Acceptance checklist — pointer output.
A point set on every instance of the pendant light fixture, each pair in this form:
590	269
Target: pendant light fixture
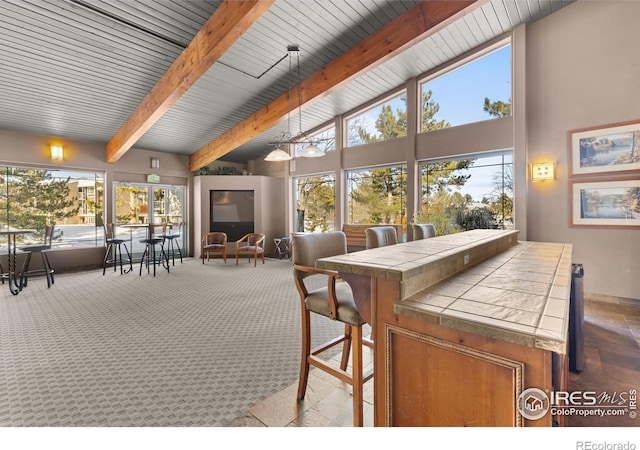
285	138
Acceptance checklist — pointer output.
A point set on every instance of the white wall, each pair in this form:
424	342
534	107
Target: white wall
583	70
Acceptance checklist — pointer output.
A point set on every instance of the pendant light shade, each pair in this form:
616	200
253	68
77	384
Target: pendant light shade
286	137
278	155
312	151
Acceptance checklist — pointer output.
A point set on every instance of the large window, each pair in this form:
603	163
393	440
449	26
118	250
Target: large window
476	91
315	203
73	201
377	195
387	120
467	193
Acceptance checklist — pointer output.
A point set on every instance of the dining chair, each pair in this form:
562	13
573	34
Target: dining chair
423	231
42	248
380	237
251	244
114	248
172	241
334	301
151	256
214	242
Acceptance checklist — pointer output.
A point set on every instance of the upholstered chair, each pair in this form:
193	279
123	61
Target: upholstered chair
251	244
380	237
214	242
335	302
423	231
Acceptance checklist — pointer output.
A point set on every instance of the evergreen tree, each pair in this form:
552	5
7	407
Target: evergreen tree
36	199
315	207
497	108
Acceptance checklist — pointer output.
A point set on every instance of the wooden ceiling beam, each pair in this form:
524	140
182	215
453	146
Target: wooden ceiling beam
229	21
413	26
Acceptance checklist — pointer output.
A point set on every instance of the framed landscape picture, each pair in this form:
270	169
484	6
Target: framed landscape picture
612	148
606	203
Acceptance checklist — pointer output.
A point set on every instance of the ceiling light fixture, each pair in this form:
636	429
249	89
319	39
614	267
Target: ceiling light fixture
285	138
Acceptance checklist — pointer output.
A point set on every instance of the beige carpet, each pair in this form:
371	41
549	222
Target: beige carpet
193	347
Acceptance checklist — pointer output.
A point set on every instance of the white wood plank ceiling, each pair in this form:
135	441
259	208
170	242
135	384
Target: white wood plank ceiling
78	68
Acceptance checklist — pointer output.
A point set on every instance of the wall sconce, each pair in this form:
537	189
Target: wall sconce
543	171
155	163
57	153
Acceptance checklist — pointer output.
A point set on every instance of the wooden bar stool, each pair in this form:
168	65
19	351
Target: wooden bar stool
334	301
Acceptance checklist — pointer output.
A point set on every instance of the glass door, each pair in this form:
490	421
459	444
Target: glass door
144	204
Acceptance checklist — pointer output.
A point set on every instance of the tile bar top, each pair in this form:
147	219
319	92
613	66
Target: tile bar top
520	295
403	261
482	281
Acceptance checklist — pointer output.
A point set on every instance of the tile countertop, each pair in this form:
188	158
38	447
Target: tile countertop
520	294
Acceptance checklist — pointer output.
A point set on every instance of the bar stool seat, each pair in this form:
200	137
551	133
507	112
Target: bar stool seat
151	256
172	240
114	248
42	249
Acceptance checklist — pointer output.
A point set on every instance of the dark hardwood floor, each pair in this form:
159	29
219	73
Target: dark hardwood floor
612	356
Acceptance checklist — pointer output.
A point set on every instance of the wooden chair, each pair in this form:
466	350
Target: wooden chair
380	237
334	301
423	231
251	244
113	254
214	242
46	270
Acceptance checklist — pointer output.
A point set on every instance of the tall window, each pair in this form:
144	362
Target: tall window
377	195
469	193
315	203
479	90
71	200
387	120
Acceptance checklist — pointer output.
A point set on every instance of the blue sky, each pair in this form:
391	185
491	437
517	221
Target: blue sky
461	93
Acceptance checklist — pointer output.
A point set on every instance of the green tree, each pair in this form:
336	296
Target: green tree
379	196
315	206
34	199
497	108
429	110
389	125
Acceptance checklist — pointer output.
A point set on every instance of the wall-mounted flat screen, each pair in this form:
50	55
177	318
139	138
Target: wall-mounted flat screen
232	212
